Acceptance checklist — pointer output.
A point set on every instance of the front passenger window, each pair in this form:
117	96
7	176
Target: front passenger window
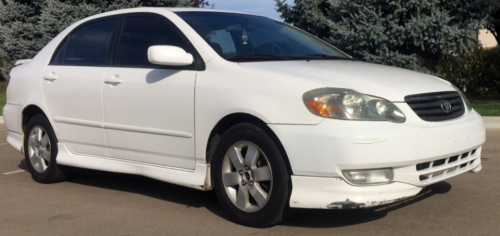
141	32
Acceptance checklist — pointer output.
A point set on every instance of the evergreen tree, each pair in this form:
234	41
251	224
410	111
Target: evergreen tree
26	26
405	33
19	34
200	3
493	22
309	15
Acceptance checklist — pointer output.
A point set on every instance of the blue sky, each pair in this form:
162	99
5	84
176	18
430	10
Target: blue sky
257	7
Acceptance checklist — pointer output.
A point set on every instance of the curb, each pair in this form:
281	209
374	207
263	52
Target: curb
491	122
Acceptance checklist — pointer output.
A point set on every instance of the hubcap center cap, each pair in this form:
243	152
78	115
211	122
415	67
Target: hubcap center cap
248	176
38	148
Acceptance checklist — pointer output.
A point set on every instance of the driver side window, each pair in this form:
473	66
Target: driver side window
222	42
141	32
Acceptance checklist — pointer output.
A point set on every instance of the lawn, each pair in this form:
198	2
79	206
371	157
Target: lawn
487	108
2	96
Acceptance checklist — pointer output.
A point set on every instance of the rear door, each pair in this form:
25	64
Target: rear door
72	86
149	109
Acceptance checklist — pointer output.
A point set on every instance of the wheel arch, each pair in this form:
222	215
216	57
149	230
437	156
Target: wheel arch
231	120
28	112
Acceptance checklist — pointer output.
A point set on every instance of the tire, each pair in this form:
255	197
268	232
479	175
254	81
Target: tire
251	179
40	151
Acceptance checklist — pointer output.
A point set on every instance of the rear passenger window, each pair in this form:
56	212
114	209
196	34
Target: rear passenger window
141	32
58	57
89	44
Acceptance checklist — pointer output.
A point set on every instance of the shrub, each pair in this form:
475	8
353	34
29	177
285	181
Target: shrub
477	71
1	76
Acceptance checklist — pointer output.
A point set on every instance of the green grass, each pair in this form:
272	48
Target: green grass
3	96
487	108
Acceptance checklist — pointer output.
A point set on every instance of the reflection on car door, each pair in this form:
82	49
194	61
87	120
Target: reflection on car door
72	86
148	109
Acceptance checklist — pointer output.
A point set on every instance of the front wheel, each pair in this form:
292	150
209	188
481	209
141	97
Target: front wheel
251	179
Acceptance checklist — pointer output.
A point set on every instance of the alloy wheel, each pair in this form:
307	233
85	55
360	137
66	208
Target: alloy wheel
247	176
39	149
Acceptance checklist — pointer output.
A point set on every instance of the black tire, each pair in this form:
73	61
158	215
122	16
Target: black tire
277	206
52	172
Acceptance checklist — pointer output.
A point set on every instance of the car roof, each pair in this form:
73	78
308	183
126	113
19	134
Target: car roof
171	9
196	9
157	10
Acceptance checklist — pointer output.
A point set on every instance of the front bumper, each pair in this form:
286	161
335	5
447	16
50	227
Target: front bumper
335	193
420	153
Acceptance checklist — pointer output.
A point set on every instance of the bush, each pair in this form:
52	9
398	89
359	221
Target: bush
3	97
477	71
1	76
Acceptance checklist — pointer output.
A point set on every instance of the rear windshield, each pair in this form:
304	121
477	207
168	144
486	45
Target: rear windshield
240	38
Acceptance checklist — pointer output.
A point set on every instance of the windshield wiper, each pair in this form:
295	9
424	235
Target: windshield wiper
325	56
259	56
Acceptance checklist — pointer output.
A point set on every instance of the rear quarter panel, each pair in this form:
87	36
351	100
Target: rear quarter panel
25	85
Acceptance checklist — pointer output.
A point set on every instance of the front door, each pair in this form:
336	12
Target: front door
149	110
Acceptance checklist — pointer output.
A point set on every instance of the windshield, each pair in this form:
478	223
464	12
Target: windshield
241	38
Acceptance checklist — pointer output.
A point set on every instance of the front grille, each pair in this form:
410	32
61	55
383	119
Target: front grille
446	167
429	106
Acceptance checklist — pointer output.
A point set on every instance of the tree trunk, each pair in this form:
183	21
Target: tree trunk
497	29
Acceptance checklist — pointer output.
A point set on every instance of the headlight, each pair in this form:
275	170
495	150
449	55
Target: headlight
466	101
379	176
348	104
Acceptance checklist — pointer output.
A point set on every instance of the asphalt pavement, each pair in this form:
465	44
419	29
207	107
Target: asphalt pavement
100	203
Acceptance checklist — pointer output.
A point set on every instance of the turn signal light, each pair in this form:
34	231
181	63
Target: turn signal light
317	107
320	109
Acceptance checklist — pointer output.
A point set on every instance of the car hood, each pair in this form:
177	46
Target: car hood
387	82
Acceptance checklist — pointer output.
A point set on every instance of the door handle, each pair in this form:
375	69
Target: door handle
113	80
51	77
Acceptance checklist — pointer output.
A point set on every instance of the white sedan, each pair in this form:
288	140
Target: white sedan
265	114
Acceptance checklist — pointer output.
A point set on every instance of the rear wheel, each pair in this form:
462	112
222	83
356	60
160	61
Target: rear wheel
251	179
40	150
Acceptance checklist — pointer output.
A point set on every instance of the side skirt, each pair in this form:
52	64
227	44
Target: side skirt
199	178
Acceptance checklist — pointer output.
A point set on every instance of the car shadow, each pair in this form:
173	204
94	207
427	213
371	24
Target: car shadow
148	187
143	186
160	74
199	199
23	165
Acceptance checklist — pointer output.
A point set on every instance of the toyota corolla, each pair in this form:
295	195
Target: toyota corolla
265	114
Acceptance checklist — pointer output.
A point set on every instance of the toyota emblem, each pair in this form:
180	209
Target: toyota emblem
445	106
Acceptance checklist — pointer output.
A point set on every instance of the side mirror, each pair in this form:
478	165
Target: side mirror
169	56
